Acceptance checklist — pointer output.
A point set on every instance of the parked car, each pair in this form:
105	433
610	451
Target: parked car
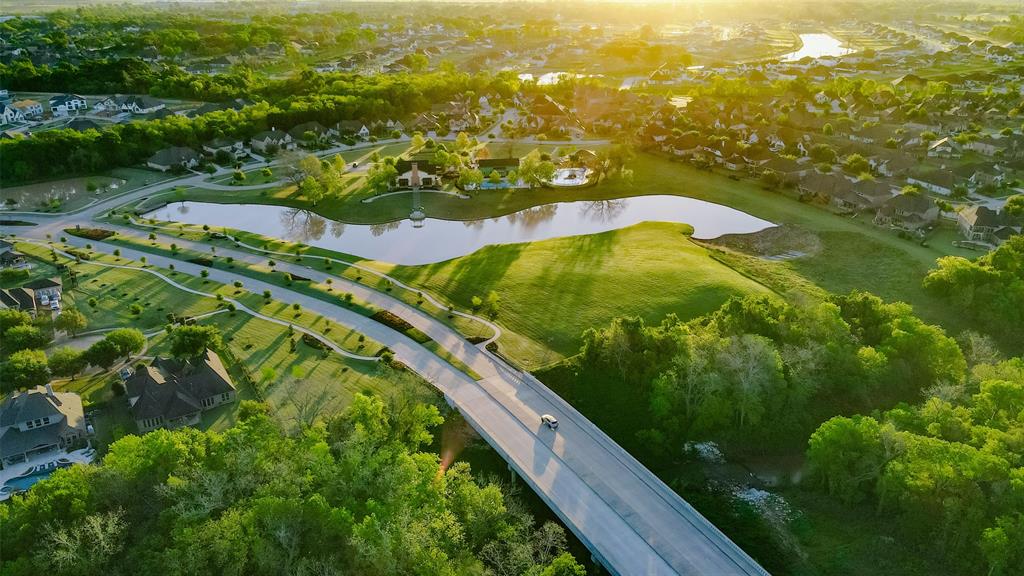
550	420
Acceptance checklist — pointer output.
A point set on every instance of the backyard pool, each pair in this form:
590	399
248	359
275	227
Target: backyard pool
26	481
437	240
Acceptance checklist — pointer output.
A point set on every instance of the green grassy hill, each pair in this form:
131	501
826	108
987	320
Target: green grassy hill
553	290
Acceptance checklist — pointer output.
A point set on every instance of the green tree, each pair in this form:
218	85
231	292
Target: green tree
102	354
70	320
127	341
193	341
1015	205
312	189
856	164
534	171
847	455
470	178
24	369
24	337
10	317
67	362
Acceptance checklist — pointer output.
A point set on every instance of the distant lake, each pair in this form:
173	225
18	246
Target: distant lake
437	240
817	46
552	78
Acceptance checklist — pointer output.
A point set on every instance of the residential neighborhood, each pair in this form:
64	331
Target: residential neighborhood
529	289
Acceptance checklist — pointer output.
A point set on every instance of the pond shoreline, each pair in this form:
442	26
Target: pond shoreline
434	240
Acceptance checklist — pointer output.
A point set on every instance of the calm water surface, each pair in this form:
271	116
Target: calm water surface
817	46
402	243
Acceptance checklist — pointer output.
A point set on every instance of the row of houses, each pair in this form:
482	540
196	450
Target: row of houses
308	133
62	105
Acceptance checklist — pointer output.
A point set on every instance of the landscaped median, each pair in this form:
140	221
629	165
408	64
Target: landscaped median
264	305
346	266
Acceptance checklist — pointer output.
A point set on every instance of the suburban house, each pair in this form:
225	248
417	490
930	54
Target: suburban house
12	259
988	146
173	157
939	181
41	294
229	145
353	128
320	134
984	224
134	104
9	114
417	174
64	104
28	108
39	421
944	148
171	393
82	124
279	138
908	211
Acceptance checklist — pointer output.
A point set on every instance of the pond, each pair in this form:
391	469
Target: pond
33	196
552	78
437	240
817	46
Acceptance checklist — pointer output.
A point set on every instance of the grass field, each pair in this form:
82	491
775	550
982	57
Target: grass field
553	290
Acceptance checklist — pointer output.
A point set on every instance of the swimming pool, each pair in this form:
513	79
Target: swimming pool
26	481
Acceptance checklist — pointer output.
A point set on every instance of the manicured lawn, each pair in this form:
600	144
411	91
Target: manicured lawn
115	290
553	290
301	384
317	258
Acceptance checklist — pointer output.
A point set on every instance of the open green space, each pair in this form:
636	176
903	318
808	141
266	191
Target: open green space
855	253
345	337
553	290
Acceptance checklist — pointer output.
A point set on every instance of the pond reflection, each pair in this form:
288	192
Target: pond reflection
438	240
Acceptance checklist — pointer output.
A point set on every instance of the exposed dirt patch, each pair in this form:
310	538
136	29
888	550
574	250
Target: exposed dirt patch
778	243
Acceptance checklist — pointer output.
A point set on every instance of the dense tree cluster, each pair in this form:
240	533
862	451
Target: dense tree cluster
324	98
730	374
26	365
950	470
353	497
990	289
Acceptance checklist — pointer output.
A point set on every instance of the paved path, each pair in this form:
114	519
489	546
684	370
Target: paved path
400	192
629	519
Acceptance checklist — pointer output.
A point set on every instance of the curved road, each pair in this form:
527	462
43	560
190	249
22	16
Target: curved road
631	521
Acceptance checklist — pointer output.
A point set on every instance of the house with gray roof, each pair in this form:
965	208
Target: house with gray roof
981	223
279	138
908	211
39	421
40	294
173	157
64	104
172	393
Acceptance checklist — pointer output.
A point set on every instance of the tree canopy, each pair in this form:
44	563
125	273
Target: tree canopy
352	497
